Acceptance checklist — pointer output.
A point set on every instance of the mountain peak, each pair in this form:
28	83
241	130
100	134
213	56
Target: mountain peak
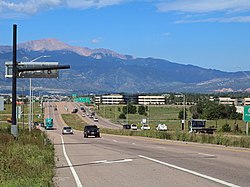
49	44
52	44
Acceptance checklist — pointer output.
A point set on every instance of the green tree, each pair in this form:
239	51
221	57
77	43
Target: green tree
141	110
130	108
122	116
180	116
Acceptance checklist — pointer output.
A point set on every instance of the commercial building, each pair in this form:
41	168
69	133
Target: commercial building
151	100
112	99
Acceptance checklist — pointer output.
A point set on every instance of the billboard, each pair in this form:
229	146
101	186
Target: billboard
32	74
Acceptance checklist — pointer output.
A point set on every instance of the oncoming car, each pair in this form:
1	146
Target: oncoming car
67	130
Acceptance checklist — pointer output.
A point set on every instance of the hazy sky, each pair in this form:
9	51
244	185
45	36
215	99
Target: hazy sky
208	33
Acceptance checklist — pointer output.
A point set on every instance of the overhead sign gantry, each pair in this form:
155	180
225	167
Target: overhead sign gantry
16	70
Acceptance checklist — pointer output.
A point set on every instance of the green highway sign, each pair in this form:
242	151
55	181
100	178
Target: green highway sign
83	100
247	113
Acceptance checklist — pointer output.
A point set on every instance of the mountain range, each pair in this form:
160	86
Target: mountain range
106	71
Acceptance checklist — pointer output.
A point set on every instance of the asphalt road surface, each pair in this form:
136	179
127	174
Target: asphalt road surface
120	161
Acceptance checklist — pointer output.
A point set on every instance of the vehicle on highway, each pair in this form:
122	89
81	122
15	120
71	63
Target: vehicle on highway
95	119
161	127
49	123
91	130
126	126
145	127
67	130
75	110
133	127
199	126
84	115
42	124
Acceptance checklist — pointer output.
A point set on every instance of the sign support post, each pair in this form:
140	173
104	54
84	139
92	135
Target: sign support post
14	128
246	117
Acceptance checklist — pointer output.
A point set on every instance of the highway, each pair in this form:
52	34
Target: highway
137	161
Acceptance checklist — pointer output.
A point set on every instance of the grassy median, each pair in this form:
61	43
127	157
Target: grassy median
74	121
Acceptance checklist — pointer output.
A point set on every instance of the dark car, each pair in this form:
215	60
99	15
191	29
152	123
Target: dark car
126	126
91	130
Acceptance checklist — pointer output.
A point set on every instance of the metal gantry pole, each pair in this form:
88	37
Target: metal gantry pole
14	129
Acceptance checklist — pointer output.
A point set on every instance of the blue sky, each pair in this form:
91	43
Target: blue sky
208	33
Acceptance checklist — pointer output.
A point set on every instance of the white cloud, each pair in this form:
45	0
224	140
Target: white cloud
29	7
166	34
96	40
222	11
238	19
204	6
92	3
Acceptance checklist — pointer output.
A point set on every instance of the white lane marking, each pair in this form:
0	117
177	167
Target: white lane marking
206	154
190	171
115	141
78	182
114	161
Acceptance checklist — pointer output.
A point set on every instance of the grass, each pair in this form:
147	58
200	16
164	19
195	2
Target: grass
167	114
7	113
27	160
74	121
219	138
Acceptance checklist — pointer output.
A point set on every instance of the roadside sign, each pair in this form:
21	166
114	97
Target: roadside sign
246	113
1	103
18	112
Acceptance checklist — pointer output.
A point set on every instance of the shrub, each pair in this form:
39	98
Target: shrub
226	128
122	116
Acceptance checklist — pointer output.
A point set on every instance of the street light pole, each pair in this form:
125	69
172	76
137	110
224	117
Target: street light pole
30	107
184	111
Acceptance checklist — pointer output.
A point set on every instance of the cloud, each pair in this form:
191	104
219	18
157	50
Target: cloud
166	34
96	40
29	7
92	3
238	19
199	6
222	11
